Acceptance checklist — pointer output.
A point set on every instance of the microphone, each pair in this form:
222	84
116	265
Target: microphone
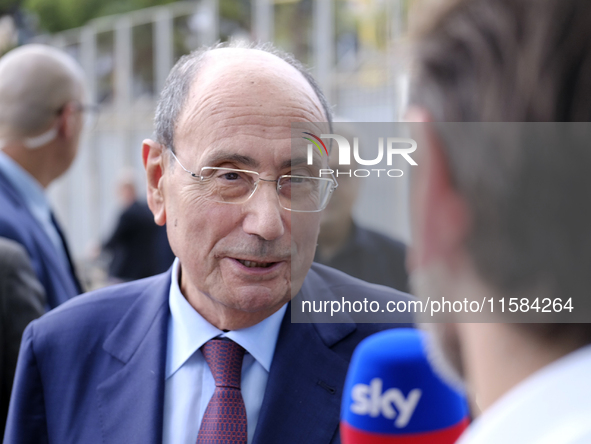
392	394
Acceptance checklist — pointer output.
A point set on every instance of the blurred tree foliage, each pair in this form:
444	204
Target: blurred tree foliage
58	15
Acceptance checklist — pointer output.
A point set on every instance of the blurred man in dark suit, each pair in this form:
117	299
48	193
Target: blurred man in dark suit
138	247
41	107
356	250
22	299
509	220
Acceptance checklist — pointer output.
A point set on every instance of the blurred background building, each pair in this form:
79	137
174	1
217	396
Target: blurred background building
127	48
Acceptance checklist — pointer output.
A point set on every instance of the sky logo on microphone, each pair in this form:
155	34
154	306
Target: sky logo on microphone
392	404
392	395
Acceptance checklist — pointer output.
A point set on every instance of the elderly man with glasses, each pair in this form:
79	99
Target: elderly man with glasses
207	352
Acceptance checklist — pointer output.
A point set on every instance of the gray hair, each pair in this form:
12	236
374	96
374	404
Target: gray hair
35	82
176	89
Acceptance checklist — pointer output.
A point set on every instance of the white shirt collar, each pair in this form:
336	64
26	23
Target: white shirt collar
188	331
553	405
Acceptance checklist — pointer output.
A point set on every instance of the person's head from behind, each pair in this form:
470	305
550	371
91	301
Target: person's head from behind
504	220
218	176
126	188
41	97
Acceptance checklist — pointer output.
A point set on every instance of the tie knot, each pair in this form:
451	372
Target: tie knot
224	358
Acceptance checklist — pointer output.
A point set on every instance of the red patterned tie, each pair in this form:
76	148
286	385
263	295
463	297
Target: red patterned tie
224	421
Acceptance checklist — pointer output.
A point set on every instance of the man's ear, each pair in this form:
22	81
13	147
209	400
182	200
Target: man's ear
154	157
440	216
68	124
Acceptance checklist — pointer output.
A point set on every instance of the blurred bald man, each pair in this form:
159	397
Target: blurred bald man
41	94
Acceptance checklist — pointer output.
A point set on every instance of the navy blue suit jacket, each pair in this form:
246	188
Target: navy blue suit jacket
17	223
92	371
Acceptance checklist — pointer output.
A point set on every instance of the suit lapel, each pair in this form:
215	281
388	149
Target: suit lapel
54	268
60	232
303	394
131	400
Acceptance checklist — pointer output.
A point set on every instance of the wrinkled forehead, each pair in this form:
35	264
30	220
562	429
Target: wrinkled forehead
248	95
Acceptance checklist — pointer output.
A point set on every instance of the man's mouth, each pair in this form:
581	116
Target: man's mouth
253	264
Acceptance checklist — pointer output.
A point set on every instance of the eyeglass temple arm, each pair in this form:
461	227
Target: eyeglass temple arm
182	166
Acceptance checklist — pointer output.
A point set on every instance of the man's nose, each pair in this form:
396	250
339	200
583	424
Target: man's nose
264	215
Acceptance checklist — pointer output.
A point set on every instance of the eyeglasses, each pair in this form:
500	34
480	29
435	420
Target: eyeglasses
302	194
80	107
90	112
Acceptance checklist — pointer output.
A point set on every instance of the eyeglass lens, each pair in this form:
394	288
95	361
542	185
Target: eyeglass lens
296	193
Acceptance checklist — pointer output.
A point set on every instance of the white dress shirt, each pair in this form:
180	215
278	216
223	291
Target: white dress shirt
553	406
35	199
189	383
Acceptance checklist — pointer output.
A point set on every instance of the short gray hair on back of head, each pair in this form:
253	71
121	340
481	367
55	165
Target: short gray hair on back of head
178	84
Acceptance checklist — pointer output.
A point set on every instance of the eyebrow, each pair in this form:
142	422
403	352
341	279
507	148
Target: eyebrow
223	156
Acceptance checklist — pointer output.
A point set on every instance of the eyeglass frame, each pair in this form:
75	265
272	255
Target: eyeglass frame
91	109
80	108
202	178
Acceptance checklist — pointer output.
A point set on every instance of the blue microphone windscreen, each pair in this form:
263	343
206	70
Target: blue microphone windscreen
392	390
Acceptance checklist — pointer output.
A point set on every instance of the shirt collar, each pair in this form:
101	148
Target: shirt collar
188	331
26	185
524	410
